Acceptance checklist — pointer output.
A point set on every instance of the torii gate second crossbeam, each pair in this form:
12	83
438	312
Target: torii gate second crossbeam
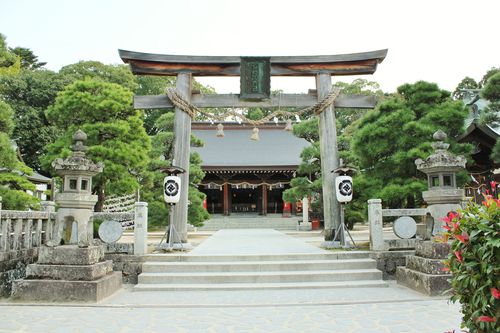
321	67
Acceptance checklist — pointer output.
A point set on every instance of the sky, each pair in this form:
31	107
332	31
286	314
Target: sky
439	41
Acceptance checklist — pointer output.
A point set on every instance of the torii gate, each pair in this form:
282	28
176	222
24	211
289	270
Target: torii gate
256	94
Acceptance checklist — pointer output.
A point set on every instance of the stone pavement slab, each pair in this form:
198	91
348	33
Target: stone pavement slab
277	297
253	241
397	317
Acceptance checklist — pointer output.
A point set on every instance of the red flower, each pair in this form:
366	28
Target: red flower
493	185
445	269
486	319
463	238
446	227
458	254
495	293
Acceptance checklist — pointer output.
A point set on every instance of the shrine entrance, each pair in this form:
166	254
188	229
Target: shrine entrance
255	74
244	200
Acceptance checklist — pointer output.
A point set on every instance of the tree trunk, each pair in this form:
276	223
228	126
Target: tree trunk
100	199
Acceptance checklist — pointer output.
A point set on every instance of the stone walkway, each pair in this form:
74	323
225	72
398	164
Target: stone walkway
394	309
253	241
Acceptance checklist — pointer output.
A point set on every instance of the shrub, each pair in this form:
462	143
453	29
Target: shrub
475	264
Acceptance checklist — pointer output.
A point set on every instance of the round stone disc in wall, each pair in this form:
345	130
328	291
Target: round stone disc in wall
110	231
405	227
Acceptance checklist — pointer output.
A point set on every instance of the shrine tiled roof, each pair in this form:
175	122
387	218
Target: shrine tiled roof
276	147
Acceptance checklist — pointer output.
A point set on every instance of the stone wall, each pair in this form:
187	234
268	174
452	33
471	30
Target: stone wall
125	261
388	261
13	266
130	265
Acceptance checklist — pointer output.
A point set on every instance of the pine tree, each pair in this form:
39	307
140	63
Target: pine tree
115	131
13	185
390	138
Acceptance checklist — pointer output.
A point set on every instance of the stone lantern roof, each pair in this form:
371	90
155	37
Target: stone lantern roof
442	160
77	163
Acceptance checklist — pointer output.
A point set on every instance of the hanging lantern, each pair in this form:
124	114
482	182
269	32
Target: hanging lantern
255	134
220	131
288	126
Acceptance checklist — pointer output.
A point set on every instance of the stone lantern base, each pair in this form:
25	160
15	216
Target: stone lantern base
68	273
424	271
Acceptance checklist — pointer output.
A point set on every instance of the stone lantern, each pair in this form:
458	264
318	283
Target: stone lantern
75	202
441	169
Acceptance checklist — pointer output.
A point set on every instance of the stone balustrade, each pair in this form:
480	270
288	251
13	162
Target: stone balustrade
375	220
23	230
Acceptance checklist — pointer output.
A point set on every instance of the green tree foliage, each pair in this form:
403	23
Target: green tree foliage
474	264
29	94
348	116
491	92
161	157
95	70
153	85
309	182
13	185
28	59
115	131
390	138
466	83
32	91
492	71
10	64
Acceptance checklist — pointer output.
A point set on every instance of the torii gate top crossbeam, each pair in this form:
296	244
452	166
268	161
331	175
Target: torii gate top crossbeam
171	65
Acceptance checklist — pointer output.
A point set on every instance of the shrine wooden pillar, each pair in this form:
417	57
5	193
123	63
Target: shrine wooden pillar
264	199
329	158
225	200
182	141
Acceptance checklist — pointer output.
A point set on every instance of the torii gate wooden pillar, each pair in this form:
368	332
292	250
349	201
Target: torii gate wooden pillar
322	67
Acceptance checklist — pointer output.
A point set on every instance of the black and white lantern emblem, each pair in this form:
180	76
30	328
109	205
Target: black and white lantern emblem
343	188
171	189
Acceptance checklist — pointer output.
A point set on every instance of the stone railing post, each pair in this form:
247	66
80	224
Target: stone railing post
375	223
141	228
48	206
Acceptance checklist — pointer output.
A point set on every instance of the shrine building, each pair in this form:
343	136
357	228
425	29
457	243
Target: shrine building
245	175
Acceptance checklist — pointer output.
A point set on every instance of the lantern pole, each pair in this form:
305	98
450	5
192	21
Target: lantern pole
171	188
344	190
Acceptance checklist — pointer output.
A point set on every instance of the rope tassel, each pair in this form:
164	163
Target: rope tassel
255	134
220	131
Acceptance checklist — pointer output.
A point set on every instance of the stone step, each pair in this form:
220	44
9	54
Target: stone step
251	223
257	266
249	226
429	284
261	277
426	265
259	286
334	255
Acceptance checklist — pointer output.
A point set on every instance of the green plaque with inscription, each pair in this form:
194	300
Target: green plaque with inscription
255	78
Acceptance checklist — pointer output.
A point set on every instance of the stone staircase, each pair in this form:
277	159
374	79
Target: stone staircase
250	221
349	269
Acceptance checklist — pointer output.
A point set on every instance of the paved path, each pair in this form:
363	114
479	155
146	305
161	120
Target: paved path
395	309
253	241
394	317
